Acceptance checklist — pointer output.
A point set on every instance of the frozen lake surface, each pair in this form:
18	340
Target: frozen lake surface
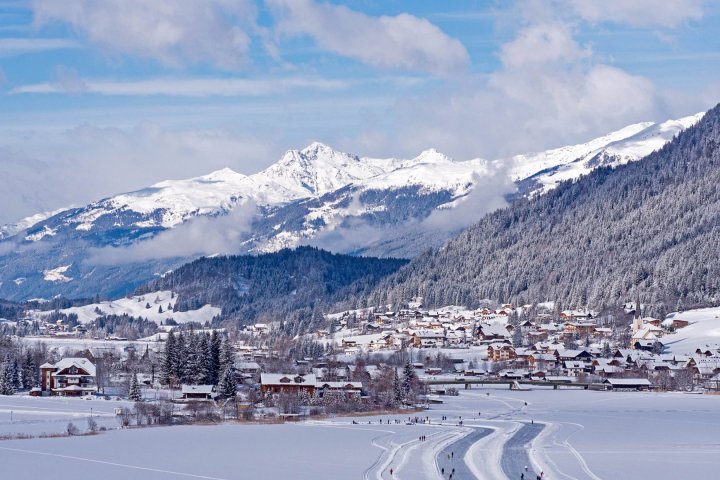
585	435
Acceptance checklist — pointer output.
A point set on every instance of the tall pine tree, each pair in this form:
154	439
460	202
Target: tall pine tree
135	394
167	367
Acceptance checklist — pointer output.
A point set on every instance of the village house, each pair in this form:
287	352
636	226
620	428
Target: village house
627	384
69	377
427	338
279	383
570	355
198	392
571	315
345	390
541	361
675	323
575	368
583	329
492	332
501	352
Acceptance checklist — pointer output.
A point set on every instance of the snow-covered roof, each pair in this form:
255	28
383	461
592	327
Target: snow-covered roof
206	389
429	333
340	385
627	381
78	362
288	379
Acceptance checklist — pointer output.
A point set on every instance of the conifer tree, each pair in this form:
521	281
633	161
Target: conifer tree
228	384
227	355
135	393
397	388
408	381
215	368
6	387
192	360
15	375
180	356
167	368
204	371
29	373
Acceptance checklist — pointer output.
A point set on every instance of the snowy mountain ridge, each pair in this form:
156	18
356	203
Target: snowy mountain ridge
317	195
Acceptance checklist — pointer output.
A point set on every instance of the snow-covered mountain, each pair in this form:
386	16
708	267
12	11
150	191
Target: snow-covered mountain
317	195
540	172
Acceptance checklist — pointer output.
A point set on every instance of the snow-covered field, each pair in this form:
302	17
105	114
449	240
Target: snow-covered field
587	435
50	415
704	330
153	306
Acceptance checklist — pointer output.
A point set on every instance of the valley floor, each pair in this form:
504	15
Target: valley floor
572	435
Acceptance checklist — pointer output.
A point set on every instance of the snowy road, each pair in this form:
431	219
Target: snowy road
452	457
515	451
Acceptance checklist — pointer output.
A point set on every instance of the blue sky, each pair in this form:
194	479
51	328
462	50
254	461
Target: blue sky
103	96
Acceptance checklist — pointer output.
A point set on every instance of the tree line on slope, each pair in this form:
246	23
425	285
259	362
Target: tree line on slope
649	228
293	286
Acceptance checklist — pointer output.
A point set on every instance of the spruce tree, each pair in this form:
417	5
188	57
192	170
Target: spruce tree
397	388
227	355
191	368
215	368
6	387
228	384
15	375
204	371
29	373
167	368
408	381
135	393
180	356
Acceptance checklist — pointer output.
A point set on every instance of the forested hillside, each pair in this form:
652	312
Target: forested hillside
289	285
650	227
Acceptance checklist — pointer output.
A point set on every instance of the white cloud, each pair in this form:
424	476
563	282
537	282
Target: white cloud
489	193
549	92
185	87
199	236
45	170
403	41
18	46
639	13
174	32
68	80
542	45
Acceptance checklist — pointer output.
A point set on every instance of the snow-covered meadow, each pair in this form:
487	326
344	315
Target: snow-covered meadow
37	416
153	306
586	435
703	330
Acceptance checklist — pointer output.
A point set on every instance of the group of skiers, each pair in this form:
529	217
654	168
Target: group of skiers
537	477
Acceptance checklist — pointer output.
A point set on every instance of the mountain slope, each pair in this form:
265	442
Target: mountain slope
289	285
317	196
651	227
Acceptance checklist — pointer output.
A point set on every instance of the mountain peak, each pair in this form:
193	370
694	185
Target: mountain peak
222	174
431	155
316	147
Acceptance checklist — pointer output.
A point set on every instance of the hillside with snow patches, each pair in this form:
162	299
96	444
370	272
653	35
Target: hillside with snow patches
155	307
703	330
317	196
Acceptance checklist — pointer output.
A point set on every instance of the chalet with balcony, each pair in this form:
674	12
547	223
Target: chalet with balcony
68	377
279	383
